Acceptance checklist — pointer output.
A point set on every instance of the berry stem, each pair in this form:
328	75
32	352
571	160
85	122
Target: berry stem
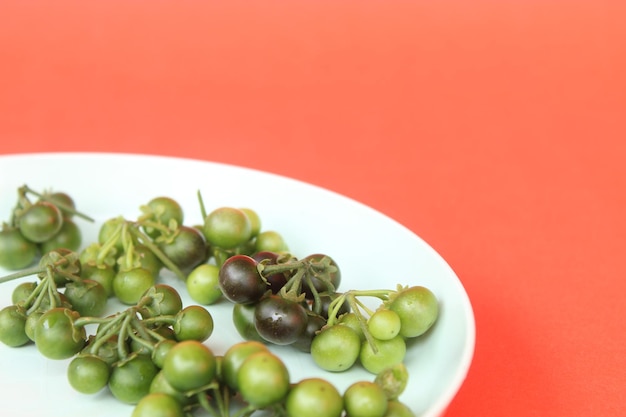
355	307
159	254
23	273
109	244
26	189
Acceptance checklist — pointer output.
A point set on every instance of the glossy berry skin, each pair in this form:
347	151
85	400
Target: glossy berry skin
263	379
56	336
234	357
240	280
40	222
69	237
227	228
315	323
188	248
417	308
13	326
388	353
243	319
278	280
158	404
189	365
365	399
314	397
16	252
319	285
203	284
279	320
336	348
130	380
88	373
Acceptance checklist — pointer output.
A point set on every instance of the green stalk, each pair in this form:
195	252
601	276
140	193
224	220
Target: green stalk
333	309
203	401
121	341
23	273
220	402
155	249
246	411
106	332
143	342
354	306
155	225
270	269
158	337
109	244
169	320
363	306
382	294
85	321
43	290
202	208
317	302
53	294
292	290
61	206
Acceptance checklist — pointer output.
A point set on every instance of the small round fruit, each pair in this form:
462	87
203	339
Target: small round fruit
193	322
203	284
158	404
227	228
270	241
279	320
388	353
40	222
384	324
396	408
16	252
314	397
130	284
56	336
88	373
417	308
240	281
64	202
365	399
255	220
336	348
13	326
189	365
130	380
235	356
243	319
263	379
68	237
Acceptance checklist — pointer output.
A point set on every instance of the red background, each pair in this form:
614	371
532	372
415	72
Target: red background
493	129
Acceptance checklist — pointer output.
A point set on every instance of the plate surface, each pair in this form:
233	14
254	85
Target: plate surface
310	218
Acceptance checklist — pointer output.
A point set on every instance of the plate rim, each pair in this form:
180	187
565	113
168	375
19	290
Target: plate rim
439	406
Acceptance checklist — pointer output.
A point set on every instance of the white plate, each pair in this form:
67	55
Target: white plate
310	218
